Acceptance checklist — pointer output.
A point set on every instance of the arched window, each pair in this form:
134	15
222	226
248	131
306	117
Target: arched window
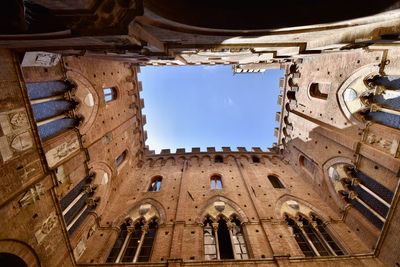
121	158
255	159
216	182
77	204
300	238
224	239
134	242
319	90
312	237
218	159
378	100
276	183
320	226
365	194
110	94
155	184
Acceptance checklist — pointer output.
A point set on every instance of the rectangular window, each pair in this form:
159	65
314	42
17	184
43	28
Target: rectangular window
110	94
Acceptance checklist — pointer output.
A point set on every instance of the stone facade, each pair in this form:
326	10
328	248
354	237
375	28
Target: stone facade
77	178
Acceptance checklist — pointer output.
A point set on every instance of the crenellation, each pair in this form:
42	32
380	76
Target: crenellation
209	149
180	151
226	149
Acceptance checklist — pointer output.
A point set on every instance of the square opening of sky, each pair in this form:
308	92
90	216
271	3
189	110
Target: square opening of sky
209	106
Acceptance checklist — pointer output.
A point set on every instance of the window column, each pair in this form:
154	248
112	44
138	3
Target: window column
130	230
215	227
145	229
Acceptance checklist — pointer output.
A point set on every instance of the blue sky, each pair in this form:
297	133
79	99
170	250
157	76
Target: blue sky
208	106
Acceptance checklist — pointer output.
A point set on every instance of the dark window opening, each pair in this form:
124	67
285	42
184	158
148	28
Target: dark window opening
112	257
314	238
255	159
224	241
121	158
291	95
319	90
128	246
147	245
321	228
276	183
218	159
300	238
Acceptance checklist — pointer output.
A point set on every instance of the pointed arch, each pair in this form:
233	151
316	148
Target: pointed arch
231	208
325	168
284	206
90	100
133	213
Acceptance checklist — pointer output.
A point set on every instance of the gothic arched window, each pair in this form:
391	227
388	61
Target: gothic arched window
155	184
276	183
312	237
216	182
77	203
364	193
134	242
224	239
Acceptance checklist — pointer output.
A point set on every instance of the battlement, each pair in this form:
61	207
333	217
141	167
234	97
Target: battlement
209	150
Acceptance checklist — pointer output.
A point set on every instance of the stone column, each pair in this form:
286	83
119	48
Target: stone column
145	229
215	227
300	225
321	237
130	229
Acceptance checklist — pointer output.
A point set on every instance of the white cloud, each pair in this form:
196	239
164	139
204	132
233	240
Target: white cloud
209	68
228	102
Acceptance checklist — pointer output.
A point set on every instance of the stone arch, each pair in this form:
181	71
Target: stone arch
325	167
159	162
356	77
194	160
103	180
180	160
85	92
231	209
291	205
20	249
134	213
206	159
170	161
